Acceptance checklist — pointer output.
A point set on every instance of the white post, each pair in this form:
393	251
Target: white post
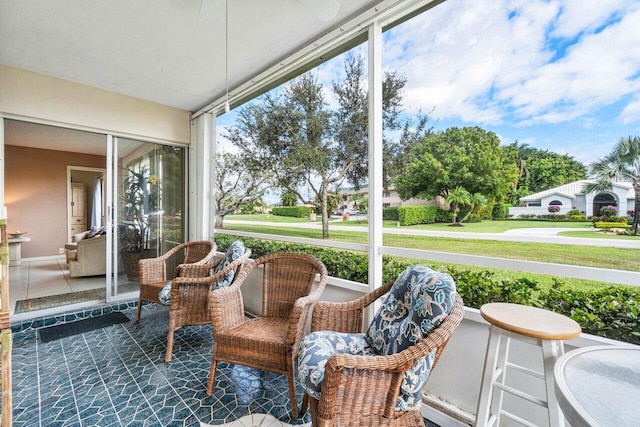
201	165
3	214
375	157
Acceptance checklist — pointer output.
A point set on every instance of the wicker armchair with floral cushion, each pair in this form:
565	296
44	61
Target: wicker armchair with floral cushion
153	271
376	378
188	294
269	342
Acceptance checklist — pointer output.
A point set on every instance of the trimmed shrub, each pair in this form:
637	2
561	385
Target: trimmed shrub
293	211
411	215
390	214
500	211
610	312
443	216
609	225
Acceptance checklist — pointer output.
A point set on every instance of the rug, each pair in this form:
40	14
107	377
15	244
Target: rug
51	301
56	332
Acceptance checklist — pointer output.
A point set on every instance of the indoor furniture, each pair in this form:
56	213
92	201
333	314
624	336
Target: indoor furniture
153	271
599	386
270	341
78	211
376	378
15	249
86	255
189	292
532	325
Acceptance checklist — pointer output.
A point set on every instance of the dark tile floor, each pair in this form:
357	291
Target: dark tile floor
117	376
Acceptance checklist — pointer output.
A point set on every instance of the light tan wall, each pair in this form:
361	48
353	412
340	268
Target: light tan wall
36	195
27	95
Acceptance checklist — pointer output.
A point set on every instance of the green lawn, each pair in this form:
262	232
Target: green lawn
615	258
486	226
598	235
267	218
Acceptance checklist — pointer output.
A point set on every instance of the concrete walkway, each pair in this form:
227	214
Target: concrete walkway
532	235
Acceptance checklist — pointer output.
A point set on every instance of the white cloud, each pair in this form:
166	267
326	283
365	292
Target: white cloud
631	112
488	62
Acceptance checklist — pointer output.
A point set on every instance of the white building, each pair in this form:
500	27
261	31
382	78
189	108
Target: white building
572	196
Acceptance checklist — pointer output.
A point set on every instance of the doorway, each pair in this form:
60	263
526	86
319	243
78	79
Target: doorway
42	162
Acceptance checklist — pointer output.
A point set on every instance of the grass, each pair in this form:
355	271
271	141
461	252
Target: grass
614	258
599	235
486	226
267	218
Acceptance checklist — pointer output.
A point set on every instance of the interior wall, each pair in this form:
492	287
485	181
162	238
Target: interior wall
36	195
27	95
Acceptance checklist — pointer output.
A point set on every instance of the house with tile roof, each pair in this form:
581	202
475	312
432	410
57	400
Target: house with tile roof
572	196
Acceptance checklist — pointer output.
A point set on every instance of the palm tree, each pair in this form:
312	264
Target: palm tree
477	202
456	198
623	163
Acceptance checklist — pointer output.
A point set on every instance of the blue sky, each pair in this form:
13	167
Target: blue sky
556	75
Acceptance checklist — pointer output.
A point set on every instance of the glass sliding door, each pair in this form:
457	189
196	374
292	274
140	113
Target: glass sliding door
147	193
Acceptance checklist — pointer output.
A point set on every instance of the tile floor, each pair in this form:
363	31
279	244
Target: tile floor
44	277
117	376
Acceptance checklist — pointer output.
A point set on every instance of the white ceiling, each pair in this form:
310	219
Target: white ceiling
167	51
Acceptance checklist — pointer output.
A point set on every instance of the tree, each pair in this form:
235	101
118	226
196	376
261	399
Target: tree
456	198
540	170
477	202
288	198
239	182
468	157
301	143
622	163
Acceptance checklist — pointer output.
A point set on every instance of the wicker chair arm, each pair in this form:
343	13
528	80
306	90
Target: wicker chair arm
301	308
195	270
226	308
152	270
178	271
344	316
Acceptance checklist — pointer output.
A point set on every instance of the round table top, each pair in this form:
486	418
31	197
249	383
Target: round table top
530	321
599	386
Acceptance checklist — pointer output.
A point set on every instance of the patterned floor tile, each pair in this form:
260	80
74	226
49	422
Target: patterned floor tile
117	376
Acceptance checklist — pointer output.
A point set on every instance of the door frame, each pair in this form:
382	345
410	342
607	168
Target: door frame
69	172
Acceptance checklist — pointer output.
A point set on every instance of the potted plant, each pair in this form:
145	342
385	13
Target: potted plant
140	201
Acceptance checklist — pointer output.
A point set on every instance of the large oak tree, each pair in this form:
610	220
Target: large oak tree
468	157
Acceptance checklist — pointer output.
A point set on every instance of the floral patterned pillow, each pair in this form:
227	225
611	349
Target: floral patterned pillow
417	303
165	294
234	251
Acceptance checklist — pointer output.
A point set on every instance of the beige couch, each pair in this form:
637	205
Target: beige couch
87	256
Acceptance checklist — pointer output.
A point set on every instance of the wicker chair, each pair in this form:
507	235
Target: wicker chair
364	389
190	292
269	342
153	271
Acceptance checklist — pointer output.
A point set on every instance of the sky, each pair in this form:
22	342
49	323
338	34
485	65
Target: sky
557	75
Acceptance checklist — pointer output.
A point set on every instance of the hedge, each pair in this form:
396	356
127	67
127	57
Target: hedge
411	215
293	211
608	225
610	312
500	211
390	214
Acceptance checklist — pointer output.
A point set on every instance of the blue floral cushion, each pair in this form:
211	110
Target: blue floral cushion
417	303
317	347
234	251
165	294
